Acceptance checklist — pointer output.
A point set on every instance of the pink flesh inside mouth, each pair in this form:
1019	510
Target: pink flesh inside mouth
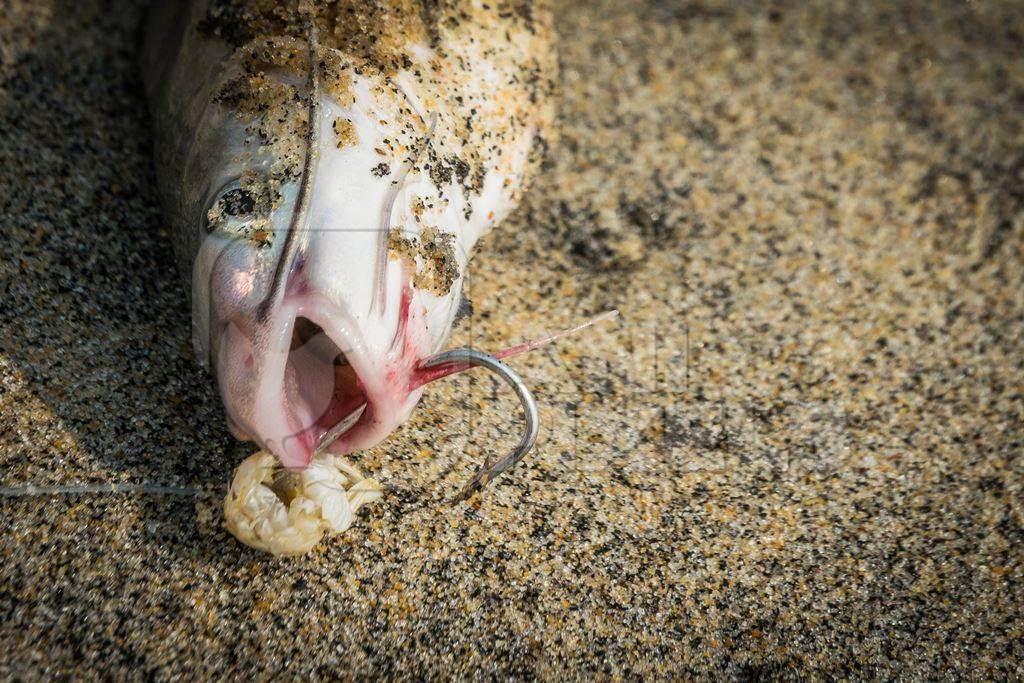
324	394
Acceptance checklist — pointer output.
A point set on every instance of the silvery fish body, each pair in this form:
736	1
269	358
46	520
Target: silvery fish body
326	169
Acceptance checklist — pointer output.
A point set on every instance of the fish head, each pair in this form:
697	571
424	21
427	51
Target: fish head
331	263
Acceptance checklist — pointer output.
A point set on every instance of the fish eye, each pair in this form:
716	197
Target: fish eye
230	207
238	202
237	211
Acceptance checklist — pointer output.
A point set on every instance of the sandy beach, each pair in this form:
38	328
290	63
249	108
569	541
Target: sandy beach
798	452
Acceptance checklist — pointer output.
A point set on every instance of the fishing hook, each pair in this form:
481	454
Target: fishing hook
474	358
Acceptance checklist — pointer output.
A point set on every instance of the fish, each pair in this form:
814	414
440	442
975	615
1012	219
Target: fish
326	170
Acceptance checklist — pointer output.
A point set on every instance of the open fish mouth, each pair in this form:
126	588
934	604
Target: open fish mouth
323	394
308	380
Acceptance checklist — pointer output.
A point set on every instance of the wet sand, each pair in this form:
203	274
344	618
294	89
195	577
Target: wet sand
799	452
